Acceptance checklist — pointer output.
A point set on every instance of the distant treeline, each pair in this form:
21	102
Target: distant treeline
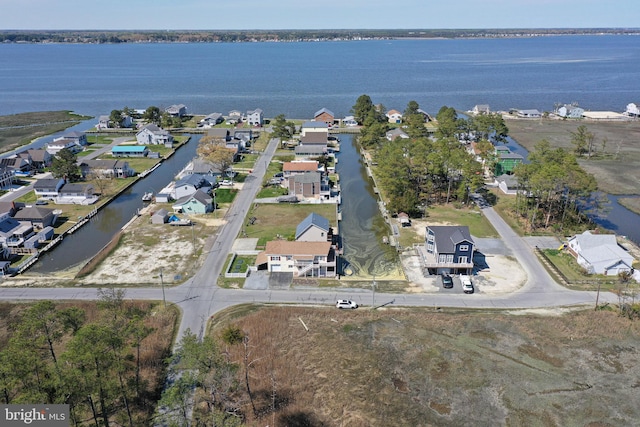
231	36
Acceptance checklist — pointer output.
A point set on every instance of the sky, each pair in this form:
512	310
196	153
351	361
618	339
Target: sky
305	14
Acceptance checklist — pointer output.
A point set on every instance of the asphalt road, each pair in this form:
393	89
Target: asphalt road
199	298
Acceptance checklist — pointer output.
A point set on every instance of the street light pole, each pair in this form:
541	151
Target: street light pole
164	300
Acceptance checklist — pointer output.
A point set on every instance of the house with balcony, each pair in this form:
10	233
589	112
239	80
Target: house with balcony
449	249
255	117
302	259
152	134
112	168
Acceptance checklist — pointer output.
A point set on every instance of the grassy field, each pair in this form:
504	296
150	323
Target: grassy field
413	367
21	129
616	163
282	219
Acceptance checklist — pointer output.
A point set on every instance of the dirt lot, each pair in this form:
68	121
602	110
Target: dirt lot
398	367
616	164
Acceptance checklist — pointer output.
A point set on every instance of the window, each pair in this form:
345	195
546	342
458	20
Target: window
449	258
462	260
464	248
275	258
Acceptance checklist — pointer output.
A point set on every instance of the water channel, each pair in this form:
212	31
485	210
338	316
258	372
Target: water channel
362	226
78	247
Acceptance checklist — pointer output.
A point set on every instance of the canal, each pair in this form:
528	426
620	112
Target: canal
362	226
80	246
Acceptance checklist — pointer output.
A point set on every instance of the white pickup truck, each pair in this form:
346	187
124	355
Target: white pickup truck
467	286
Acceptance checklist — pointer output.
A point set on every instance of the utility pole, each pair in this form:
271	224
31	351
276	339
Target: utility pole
164	300
373	286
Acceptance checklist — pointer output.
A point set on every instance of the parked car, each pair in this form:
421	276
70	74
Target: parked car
447	281
346	303
467	286
41	202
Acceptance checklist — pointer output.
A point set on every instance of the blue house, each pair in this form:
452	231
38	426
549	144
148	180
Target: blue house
449	249
197	203
129	151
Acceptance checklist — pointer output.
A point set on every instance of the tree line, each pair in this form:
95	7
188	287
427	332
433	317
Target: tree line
422	169
108	369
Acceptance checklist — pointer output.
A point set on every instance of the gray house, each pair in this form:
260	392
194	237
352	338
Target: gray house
449	249
314	228
190	184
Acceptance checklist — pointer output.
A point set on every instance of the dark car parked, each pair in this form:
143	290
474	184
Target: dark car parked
447	281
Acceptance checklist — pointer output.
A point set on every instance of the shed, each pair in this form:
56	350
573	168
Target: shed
160	217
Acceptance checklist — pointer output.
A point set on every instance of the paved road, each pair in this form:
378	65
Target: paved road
199	297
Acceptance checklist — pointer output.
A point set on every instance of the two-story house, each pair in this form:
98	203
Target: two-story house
106	168
314	228
448	249
394	116
303	259
506	161
255	117
189	184
151	134
325	115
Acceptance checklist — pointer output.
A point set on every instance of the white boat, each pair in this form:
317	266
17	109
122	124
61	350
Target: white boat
147	197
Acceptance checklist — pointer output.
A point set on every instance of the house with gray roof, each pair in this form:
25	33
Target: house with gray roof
314	228
177	110
600	253
48	188
151	134
324	115
393	134
38	216
189	184
197	203
113	168
255	117
449	249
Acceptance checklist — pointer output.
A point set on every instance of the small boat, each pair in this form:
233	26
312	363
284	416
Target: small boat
147	197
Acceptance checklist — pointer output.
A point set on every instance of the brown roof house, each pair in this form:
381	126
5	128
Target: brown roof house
303	259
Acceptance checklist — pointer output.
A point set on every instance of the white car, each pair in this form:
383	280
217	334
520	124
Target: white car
467	286
346	303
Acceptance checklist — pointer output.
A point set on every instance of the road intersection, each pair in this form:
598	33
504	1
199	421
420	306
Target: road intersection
199	298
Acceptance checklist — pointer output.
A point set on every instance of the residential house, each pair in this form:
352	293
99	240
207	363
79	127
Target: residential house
427	116
309	186
211	120
129	151
310	151
151	134
299	167
73	141
318	138
303	259
7	177
449	249
17	164
103	122
111	168
7	209
311	126
600	253
38	216
396	133
13	234
177	110
189	184
76	193
570	112
40	158
349	121
529	114
220	134
394	116
506	161
481	109
255	117
633	110
48	188
314	228
234	117
508	184
196	203
324	115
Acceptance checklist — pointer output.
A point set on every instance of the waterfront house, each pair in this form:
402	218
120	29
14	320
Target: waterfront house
151	134
529	114
449	249
219	134
76	193
506	161
314	228
48	188
129	151
349	121
309	151
312	185
600	253
177	110
299	167
633	110
196	203
570	112
481	109
396	133
58	145
112	168
38	216
255	117
7	177
394	116
39	158
211	120
312	126
324	115
302	259
189	184
13	234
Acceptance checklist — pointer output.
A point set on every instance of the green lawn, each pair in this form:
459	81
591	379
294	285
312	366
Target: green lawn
472	217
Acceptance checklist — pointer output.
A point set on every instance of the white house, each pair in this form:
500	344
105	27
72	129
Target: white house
151	134
394	116
633	110
529	114
313	126
310	259
349	121
396	133
255	117
600	253
481	109
570	112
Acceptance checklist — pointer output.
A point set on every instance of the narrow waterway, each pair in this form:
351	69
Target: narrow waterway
80	246
362	226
